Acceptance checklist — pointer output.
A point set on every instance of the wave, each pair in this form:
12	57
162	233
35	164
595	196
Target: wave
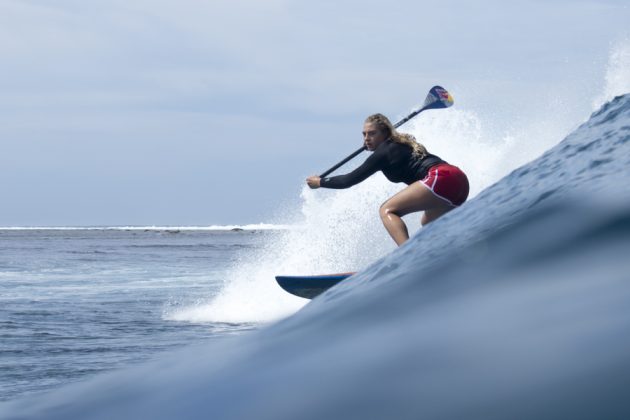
515	305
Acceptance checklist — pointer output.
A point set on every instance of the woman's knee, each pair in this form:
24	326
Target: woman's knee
386	210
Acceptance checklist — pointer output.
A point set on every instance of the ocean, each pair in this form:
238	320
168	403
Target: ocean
77	302
515	305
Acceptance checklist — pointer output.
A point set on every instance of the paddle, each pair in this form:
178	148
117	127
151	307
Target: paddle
437	98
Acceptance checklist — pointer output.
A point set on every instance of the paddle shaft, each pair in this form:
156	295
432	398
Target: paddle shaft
343	162
358	151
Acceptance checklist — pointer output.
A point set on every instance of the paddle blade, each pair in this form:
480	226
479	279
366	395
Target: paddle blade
438	97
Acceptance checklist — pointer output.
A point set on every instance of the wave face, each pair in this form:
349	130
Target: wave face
515	305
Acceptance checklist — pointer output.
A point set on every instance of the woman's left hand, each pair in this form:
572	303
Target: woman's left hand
313	181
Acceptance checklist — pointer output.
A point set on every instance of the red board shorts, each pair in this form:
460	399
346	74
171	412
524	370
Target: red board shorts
447	182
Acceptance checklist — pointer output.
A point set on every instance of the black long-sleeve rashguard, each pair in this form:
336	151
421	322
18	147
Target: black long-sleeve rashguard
395	160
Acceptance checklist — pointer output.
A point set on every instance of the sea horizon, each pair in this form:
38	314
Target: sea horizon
226	227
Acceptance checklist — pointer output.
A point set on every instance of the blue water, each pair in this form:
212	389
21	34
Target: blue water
77	302
515	305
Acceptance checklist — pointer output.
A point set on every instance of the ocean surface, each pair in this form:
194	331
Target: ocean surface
76	302
515	305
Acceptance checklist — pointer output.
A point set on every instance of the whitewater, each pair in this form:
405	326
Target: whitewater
513	306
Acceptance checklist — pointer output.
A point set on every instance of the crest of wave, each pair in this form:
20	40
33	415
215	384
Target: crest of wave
340	230
617	79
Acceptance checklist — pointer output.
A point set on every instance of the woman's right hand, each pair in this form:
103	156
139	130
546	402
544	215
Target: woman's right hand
313	181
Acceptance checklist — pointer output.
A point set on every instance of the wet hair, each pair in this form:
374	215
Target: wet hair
385	125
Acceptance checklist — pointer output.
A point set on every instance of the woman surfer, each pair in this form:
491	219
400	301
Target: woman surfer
434	186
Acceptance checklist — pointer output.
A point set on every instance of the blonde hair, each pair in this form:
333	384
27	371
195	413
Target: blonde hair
385	125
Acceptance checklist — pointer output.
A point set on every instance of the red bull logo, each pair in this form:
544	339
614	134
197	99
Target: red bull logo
438	97
444	95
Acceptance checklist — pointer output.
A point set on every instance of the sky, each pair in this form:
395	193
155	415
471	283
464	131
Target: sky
196	112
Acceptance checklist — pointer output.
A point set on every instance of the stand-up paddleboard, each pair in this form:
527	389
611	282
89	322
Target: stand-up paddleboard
310	286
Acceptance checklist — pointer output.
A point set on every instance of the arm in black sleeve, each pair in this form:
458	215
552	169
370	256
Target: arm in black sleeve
371	165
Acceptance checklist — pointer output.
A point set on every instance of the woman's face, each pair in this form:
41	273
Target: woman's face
372	136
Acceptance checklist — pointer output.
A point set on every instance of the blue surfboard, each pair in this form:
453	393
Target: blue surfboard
310	286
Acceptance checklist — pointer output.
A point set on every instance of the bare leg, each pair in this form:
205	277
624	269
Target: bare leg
416	197
432	214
